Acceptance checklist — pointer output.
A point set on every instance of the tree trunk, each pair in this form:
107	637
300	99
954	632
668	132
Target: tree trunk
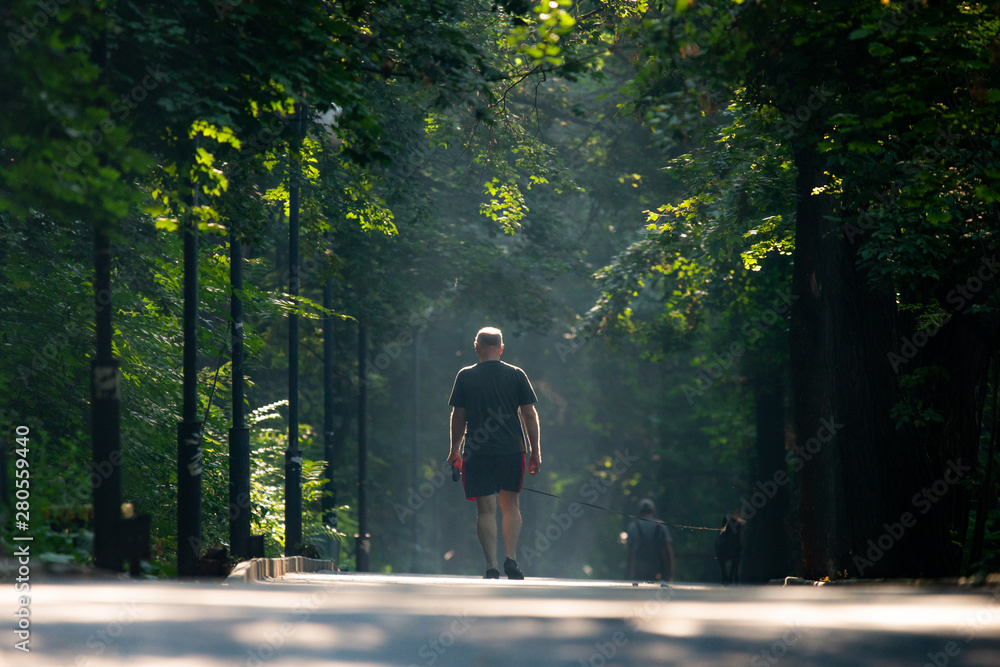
877	500
874	465
987	490
765	549
955	363
822	513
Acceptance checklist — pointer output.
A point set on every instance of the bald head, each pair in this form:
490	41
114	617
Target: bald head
489	343
489	336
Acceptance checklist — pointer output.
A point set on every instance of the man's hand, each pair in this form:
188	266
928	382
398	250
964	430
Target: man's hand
458	424
534	462
529	417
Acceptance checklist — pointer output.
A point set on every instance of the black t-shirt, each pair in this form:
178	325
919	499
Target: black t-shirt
491	392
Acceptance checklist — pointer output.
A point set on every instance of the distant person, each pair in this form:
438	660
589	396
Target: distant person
485	402
648	549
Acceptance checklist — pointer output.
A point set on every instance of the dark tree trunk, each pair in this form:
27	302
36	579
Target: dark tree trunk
955	361
988	488
766	552
822	511
855	467
877	501
863	322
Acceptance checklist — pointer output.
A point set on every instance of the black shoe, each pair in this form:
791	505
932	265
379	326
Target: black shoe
492	573
510	568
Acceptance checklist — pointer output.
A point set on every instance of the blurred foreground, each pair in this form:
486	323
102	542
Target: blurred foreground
367	619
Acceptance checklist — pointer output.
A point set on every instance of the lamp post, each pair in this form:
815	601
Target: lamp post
329	501
105	393
189	454
326	125
106	452
416	444
239	433
363	539
293	456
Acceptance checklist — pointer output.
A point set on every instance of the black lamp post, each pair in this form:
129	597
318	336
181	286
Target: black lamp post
293	456
239	433
106	452
189	453
362	539
330	496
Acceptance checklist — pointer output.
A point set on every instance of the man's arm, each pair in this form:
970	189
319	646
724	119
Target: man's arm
457	433
530	418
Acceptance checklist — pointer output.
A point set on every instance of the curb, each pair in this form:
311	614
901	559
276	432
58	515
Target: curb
257	569
980	581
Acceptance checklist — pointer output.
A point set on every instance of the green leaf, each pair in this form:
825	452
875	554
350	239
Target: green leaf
169	224
863	147
879	50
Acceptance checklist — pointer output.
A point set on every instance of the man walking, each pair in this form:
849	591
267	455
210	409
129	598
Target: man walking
648	549
489	402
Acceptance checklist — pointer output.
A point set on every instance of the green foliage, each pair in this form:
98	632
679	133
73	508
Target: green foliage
63	149
697	258
267	485
868	95
466	164
539	40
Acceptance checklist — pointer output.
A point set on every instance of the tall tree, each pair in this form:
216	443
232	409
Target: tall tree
852	84
709	278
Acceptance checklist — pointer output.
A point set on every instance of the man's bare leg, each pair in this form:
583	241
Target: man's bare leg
511	510
486	528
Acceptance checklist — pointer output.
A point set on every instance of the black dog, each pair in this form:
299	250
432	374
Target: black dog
728	548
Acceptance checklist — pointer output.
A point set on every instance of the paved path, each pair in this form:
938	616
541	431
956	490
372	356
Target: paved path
367	620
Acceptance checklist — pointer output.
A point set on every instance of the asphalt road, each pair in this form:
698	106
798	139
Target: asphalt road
367	620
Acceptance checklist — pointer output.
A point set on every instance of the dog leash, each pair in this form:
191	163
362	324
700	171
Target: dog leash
608	509
456	475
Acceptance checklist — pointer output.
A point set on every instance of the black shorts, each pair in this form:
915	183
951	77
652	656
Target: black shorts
485	474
